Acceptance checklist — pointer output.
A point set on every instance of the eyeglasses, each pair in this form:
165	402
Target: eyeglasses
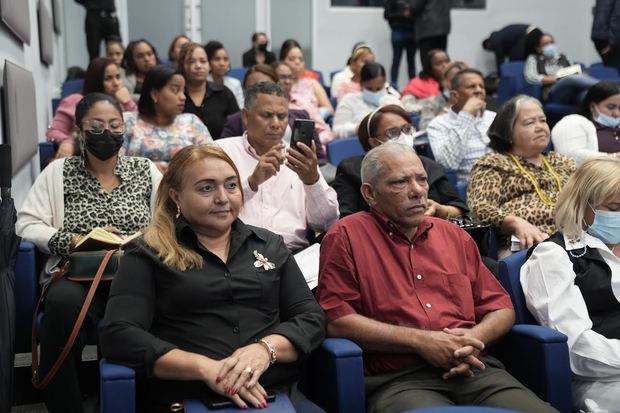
97	127
287	77
394	133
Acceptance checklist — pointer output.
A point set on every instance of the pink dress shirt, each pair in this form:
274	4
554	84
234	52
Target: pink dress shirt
282	204
61	128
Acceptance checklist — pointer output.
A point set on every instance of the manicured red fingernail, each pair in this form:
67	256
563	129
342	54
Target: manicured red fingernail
245	407
234	390
218	380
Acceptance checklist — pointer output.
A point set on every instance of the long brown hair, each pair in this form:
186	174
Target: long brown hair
161	234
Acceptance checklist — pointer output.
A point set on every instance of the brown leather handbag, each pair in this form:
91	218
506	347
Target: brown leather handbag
107	266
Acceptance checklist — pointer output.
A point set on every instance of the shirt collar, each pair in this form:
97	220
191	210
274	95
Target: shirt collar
585	240
391	228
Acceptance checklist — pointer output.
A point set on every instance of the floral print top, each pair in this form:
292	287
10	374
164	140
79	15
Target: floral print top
159	144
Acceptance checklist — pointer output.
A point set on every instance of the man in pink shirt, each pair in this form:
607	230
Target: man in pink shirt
283	188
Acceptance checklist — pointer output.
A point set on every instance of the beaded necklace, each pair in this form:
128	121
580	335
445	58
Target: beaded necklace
534	182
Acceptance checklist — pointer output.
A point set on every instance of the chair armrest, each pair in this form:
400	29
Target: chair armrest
538	357
26	294
117	388
334	376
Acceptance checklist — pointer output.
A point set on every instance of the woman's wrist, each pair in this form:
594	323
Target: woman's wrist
269	349
75	239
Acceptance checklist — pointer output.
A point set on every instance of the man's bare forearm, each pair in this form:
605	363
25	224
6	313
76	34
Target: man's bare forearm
494	325
375	335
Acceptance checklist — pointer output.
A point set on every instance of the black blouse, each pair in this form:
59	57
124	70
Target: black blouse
348	182
212	311
217	103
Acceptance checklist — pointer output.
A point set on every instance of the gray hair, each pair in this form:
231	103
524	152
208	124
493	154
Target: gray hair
500	130
372	164
267	88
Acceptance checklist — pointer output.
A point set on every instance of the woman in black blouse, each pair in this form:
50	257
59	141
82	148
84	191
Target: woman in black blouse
206	304
392	123
210	101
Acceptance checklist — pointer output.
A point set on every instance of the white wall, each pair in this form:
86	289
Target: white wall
45	79
336	29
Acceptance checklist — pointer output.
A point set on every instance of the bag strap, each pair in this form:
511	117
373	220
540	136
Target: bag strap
42	383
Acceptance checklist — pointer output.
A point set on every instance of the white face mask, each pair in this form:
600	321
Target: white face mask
404	139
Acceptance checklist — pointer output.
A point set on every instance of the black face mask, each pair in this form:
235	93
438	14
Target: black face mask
262	47
103	146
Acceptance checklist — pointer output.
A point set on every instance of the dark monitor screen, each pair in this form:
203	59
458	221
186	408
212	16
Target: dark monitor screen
20	114
16	16
46	34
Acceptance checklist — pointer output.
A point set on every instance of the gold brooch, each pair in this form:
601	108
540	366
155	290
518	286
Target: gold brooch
262	261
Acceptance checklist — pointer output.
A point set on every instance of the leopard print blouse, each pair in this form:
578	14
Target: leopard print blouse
497	188
87	205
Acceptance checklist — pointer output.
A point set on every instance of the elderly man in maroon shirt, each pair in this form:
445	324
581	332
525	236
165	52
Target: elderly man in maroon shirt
414	293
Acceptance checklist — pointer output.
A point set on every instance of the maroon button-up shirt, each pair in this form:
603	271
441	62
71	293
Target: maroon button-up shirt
370	268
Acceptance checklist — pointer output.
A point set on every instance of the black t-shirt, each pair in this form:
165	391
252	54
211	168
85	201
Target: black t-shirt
218	103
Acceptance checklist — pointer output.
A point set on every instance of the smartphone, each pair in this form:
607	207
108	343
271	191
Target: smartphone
215	401
303	130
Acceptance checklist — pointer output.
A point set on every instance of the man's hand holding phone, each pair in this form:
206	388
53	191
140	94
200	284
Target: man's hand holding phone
302	160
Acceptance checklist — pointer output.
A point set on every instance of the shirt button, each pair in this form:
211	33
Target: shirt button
419	277
227	274
236	330
391	234
428	305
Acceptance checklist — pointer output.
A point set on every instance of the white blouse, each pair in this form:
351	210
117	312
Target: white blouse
548	282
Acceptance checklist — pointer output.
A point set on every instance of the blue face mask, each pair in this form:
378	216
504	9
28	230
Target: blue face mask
550	51
606	226
446	94
607	120
372	98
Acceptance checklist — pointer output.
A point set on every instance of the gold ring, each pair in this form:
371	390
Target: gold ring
249	370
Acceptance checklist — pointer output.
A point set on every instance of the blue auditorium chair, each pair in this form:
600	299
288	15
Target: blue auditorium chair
547	370
238	73
26	294
333	380
512	82
602	72
72	86
340	149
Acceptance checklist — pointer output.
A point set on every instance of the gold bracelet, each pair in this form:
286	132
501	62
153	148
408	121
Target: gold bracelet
273	356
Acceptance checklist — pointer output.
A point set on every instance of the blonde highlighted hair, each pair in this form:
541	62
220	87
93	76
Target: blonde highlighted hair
595	182
161	234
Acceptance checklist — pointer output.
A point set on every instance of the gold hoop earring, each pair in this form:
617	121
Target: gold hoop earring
178	212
